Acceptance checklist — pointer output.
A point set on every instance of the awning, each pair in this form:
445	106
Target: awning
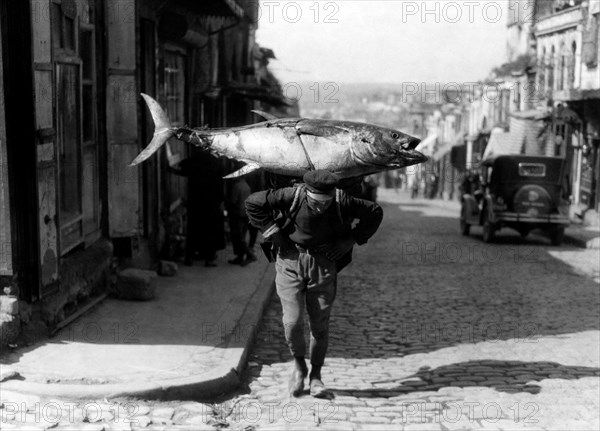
532	114
263	93
501	143
214	8
426	145
526	128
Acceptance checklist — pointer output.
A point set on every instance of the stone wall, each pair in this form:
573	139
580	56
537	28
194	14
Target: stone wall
83	274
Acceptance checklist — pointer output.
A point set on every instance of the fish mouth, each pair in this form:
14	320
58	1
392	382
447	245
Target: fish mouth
409	157
412	144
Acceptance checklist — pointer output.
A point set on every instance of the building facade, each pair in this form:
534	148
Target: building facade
567	35
72	119
545	98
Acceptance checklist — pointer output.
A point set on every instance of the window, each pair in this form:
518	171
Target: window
571	66
562	64
174	74
64	16
67	110
562	72
175	86
550	71
589	49
505	106
75	92
90	184
541	75
560	5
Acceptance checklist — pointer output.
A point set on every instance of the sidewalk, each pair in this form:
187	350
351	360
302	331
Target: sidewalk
191	341
582	236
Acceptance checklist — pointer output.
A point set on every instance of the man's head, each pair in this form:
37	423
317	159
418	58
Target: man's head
320	189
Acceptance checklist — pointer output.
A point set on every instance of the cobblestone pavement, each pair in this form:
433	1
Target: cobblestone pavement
430	331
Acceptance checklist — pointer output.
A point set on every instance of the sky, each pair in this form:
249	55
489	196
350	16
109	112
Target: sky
383	41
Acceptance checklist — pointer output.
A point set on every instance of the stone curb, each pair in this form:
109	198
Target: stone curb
205	386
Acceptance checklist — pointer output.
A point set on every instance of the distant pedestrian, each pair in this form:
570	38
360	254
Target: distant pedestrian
414	186
396	180
239	191
434	181
205	222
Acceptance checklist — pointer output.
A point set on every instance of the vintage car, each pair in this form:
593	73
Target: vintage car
520	192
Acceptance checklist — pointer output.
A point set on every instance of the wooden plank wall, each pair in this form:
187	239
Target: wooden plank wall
121	119
5	237
46	143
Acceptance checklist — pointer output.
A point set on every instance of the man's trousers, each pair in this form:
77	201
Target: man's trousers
306	280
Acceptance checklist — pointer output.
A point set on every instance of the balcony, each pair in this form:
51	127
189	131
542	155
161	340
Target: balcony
559	21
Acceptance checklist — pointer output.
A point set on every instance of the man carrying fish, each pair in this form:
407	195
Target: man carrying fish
317	237
320	238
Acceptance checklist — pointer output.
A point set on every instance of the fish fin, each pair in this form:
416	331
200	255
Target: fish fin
264	114
306	127
162	130
250	167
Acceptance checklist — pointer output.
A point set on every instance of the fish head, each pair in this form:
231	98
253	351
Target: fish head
386	148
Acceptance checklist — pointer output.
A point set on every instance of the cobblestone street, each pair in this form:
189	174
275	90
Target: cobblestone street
430	331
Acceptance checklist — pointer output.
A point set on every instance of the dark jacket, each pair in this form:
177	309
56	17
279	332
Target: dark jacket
310	229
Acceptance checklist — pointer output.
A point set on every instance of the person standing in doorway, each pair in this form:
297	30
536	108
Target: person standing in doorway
238	221
205	221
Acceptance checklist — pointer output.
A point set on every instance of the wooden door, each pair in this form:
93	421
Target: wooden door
150	168
46	150
122	119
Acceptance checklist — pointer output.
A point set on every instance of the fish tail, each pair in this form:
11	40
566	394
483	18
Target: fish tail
162	130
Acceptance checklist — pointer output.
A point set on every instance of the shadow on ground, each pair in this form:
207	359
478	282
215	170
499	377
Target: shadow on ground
504	376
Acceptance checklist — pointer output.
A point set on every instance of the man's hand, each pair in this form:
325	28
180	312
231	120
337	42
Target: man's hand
281	242
340	248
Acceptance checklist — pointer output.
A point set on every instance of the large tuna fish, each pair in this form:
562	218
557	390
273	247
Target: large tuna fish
292	146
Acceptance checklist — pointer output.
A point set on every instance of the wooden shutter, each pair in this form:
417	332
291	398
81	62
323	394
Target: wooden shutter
121	119
5	234
46	148
589	49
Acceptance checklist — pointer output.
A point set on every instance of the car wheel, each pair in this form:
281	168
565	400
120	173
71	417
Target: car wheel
557	235
464	226
489	229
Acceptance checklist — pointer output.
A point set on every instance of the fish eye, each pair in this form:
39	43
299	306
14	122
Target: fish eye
395	135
